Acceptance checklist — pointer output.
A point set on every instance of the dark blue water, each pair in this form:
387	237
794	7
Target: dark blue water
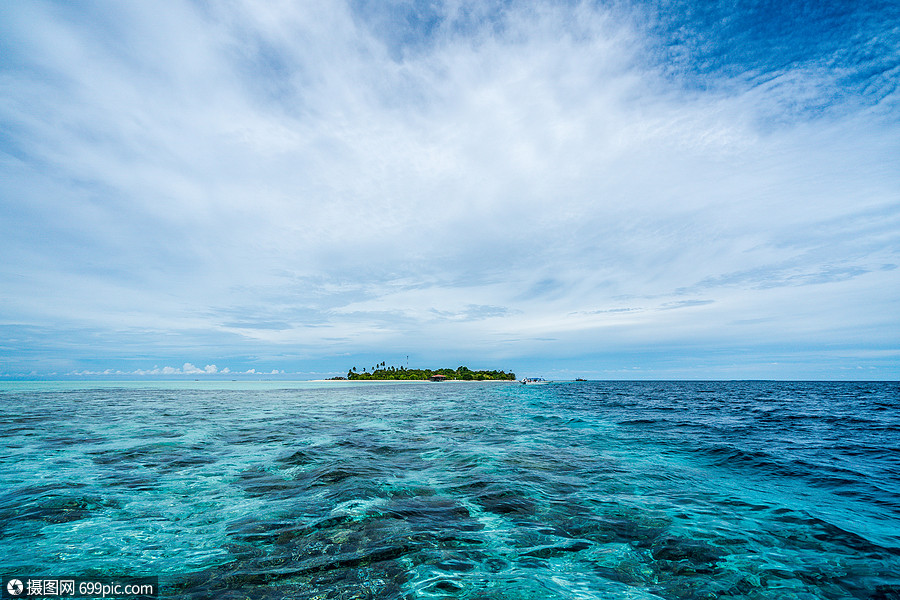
679	490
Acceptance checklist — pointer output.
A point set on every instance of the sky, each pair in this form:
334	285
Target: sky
646	189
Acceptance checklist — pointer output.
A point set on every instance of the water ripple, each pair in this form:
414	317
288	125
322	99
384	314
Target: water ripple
678	490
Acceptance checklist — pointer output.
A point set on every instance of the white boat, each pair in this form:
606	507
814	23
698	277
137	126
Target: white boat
534	381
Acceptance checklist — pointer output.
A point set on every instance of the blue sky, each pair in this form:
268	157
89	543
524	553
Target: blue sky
656	189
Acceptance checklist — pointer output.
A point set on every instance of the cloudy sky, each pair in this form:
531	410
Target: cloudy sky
654	188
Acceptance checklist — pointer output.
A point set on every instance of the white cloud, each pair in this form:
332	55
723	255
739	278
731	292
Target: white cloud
186	369
190	369
267	178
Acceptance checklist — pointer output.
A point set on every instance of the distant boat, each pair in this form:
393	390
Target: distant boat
534	381
580	379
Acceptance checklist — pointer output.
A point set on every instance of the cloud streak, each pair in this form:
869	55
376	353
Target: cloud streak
292	184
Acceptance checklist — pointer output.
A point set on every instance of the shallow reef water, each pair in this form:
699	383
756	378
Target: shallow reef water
582	490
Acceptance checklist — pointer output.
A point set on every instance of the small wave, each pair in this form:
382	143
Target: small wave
640	422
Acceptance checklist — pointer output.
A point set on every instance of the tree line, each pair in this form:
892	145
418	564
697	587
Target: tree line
383	371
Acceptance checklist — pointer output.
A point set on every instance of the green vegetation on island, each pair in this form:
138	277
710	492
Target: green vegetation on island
382	371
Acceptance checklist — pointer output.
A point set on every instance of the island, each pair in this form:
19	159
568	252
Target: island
382	371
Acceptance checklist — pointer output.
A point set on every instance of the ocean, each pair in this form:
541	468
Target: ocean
581	490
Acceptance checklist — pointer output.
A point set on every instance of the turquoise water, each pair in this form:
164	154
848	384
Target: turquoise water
457	490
